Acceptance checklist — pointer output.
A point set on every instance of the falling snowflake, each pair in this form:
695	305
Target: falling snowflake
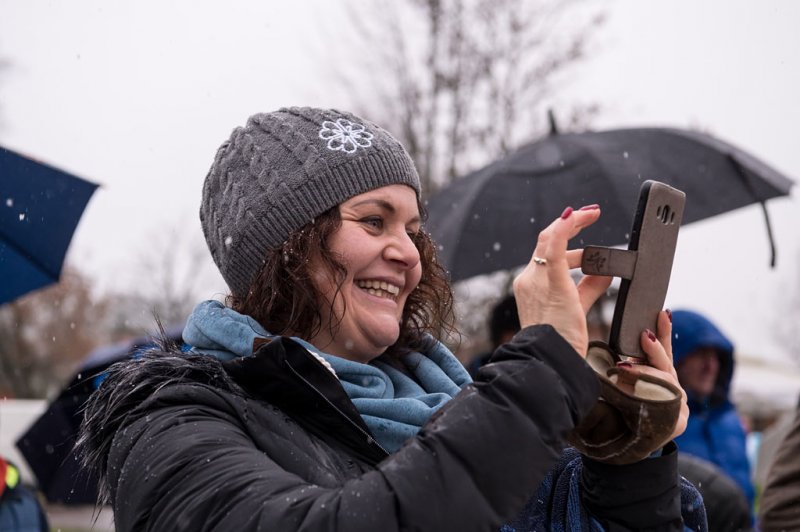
345	135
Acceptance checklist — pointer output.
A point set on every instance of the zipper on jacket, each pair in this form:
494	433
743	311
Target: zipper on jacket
367	436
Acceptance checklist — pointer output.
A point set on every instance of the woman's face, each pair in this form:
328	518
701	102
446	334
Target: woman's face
375	245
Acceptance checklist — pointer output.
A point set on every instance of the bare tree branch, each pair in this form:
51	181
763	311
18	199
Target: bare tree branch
464	82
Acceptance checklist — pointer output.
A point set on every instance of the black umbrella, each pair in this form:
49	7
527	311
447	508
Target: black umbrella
489	220
40	206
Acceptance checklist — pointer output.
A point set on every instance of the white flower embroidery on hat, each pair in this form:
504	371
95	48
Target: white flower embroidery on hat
345	135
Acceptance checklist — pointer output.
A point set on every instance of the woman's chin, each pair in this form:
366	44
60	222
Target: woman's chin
375	344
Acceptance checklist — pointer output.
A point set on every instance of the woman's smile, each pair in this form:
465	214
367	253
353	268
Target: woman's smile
380	289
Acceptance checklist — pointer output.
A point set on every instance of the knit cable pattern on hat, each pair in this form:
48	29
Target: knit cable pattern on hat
281	170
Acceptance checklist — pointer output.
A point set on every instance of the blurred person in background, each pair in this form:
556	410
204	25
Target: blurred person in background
503	325
703	359
726	507
20	510
779	508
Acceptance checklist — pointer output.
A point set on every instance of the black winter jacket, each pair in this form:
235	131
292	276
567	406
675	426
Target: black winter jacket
272	442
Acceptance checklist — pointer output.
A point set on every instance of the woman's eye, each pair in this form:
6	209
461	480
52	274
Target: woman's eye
373	221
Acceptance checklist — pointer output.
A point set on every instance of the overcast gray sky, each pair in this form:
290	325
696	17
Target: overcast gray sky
138	95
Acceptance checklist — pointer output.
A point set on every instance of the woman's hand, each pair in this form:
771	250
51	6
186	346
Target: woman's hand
658	349
545	291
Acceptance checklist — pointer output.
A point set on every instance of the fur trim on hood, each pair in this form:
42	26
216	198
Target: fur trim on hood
128	384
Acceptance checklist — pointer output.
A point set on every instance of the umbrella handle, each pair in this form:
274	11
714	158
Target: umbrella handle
772	259
749	186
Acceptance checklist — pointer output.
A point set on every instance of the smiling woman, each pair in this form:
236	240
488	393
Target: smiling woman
319	397
364	283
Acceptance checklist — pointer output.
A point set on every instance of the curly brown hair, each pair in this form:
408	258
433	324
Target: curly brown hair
284	299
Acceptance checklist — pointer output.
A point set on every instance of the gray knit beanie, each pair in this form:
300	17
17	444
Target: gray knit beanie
277	173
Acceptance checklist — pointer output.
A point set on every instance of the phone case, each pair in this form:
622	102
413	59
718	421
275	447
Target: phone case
645	267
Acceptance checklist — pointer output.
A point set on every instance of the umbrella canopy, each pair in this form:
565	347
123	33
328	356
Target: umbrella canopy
489	220
40	206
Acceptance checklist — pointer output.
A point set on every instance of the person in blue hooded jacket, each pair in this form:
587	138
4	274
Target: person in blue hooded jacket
703	358
20	510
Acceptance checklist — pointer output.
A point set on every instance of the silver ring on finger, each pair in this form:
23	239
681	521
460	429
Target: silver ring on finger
539	261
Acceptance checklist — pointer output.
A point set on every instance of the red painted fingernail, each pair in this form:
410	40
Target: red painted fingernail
592	207
624	365
566	213
669	315
651	335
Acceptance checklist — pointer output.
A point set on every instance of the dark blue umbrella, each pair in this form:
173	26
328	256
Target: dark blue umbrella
40	206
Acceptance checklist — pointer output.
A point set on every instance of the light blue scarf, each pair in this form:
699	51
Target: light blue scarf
392	404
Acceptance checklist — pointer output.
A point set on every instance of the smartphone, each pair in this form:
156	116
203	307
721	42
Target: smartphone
645	267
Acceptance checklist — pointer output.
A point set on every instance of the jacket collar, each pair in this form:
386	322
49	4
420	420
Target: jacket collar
305	389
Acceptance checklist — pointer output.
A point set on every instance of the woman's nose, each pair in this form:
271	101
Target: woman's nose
402	250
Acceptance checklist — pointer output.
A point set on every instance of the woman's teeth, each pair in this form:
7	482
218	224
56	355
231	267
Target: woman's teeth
379	288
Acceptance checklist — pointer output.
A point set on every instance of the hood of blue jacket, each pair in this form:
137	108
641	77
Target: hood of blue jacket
691	331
